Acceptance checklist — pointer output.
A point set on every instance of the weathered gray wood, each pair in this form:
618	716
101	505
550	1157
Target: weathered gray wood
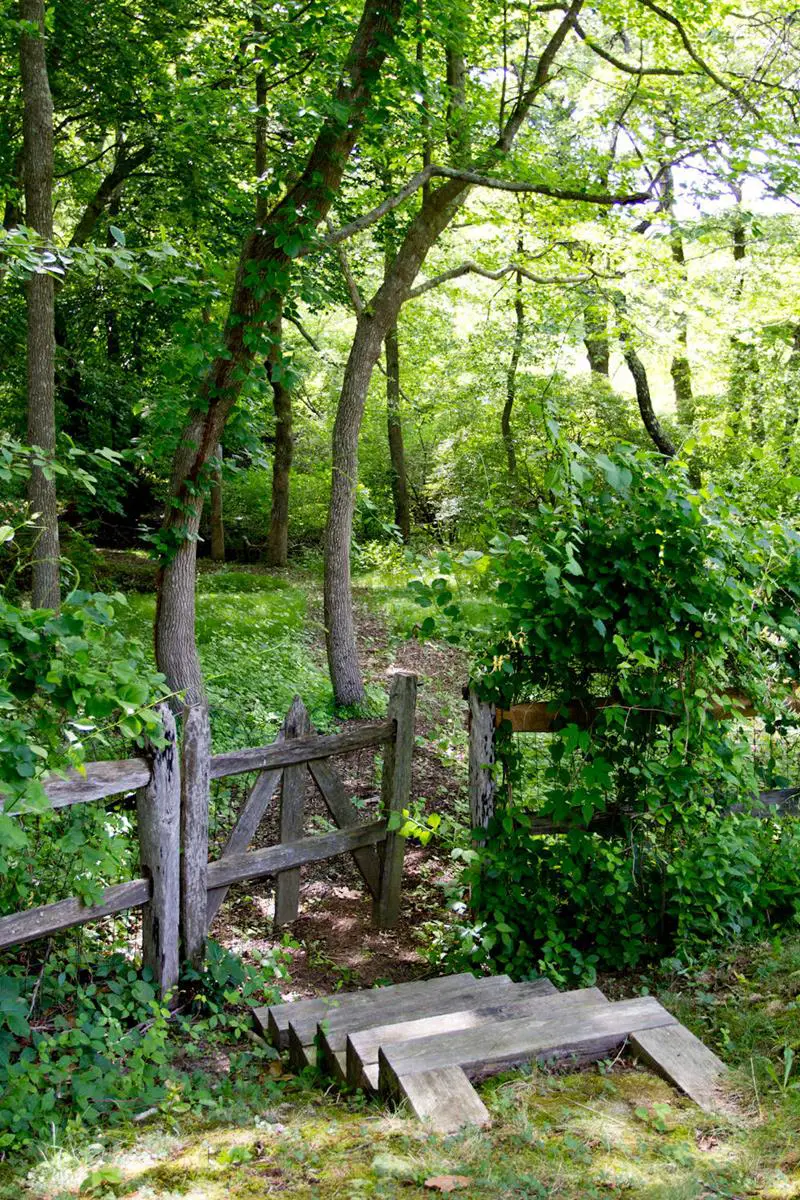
332	1028
274	1019
247	822
273	859
481	761
159	810
674	1052
395	793
330	1033
444	1099
305	749
345	814
293	791
195	799
33	923
362	1046
101	779
586	1032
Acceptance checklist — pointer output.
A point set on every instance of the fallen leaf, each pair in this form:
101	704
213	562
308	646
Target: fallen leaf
707	1141
447	1183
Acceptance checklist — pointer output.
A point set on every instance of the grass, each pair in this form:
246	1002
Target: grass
612	1130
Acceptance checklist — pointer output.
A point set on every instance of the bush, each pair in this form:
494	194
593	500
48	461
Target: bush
632	588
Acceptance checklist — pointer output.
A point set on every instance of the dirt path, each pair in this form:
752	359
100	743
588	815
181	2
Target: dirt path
333	944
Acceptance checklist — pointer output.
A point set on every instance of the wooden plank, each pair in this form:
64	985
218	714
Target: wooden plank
305	749
101	779
444	1100
345	814
274	1019
362	1046
395	793
481	761
247	823
33	923
674	1052
195	800
586	1032
159	811
273	859
331	1029
293	794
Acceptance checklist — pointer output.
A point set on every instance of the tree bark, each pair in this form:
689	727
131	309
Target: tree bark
374	323
680	368
278	538
217	517
595	336
397	454
511	373
660	439
744	366
37	139
262	281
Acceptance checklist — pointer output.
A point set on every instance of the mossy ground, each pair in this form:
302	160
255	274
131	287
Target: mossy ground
609	1130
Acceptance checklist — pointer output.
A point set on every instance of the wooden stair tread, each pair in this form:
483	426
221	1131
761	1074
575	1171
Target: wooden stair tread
274	1019
335	1024
538	998
674	1052
444	1100
588	1030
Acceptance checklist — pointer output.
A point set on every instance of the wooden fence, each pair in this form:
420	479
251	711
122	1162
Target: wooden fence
179	890
540	716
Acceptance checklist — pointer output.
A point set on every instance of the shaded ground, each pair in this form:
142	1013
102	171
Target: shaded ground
333	944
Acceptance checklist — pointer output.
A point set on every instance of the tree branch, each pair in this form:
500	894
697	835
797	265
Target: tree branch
628	68
124	166
477	180
473	268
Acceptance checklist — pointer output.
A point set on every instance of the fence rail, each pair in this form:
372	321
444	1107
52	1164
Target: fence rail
180	891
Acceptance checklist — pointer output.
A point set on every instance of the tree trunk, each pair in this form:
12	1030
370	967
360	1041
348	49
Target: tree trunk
680	369
217	519
595	336
397	454
744	367
37	137
374	323
511	373
660	439
278	539
263	280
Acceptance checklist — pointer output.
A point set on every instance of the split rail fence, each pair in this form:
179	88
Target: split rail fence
542	716
180	891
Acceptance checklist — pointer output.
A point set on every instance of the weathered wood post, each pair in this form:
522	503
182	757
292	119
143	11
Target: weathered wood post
158	807
195	798
395	792
481	760
287	884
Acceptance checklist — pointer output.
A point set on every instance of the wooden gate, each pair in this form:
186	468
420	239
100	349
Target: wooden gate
179	890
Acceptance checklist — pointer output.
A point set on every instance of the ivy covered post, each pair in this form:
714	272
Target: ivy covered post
195	799
481	760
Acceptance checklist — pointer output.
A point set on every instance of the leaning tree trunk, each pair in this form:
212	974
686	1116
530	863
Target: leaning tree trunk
374	323
660	439
511	373
595	336
217	515
263	280
37	137
680	368
278	538
394	424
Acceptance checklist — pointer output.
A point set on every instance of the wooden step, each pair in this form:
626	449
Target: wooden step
273	1020
519	1000
337	1023
674	1052
588	1030
444	1100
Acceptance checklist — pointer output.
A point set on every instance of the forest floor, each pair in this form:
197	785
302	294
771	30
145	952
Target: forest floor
613	1129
